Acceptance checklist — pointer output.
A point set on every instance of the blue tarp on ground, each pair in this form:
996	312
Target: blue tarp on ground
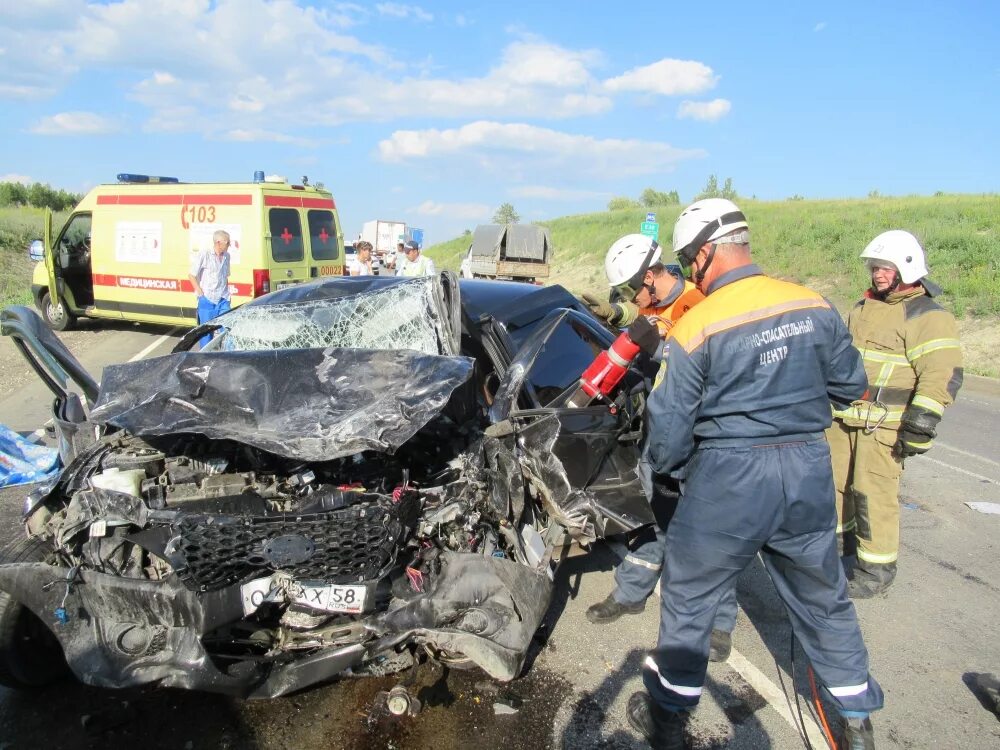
22	461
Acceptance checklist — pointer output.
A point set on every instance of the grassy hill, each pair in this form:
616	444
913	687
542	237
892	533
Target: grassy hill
813	242
18	227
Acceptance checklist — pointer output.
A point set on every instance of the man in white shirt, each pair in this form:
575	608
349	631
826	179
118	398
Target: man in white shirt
361	263
210	278
415	263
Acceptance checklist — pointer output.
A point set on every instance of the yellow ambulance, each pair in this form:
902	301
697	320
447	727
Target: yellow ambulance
126	250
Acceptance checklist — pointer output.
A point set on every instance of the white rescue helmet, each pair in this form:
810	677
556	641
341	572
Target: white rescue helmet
704	221
898	248
628	260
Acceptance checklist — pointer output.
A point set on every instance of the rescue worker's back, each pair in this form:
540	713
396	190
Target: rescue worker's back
781	355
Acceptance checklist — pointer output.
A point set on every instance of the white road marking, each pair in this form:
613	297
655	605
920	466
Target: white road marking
156	343
976	456
960	470
38	434
774	695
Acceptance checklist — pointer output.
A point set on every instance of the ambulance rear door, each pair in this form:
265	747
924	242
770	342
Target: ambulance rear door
326	246
284	240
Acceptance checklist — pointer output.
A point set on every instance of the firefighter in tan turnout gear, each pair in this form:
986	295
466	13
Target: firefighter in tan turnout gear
913	361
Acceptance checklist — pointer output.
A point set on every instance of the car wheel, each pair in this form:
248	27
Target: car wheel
30	655
57	317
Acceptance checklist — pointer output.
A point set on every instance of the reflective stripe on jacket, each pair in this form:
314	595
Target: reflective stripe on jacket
912	355
760	360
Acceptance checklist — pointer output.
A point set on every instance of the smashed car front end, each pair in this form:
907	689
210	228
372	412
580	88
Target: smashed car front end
265	519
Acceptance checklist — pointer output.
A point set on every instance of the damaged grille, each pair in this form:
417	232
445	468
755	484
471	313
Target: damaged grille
347	545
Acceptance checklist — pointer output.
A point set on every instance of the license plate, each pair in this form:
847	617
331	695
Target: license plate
286	284
342	598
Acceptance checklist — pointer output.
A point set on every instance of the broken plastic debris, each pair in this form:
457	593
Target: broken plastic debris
507	703
991	508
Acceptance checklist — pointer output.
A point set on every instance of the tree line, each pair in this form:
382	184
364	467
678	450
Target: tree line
650	198
37	195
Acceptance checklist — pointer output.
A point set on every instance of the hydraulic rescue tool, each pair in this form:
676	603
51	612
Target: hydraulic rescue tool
605	372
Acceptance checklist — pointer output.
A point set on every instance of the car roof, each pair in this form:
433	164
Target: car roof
481	298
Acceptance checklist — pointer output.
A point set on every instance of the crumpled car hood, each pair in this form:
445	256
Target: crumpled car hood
309	404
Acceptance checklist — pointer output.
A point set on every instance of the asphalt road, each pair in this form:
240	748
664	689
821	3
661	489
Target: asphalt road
936	630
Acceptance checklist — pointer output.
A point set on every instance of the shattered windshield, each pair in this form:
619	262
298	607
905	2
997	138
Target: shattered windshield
406	315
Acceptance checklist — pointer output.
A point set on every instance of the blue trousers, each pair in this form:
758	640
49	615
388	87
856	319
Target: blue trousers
641	562
207	311
738	501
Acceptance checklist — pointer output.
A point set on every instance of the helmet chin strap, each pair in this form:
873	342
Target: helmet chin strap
700	276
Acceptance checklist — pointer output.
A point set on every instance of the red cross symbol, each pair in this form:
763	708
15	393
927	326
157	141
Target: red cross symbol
323	235
287	236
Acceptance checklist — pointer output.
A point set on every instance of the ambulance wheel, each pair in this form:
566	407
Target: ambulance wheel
57	317
30	655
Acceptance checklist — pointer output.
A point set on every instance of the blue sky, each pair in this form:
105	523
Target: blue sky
437	113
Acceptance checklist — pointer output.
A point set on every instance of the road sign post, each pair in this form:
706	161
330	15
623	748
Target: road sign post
650	229
650	217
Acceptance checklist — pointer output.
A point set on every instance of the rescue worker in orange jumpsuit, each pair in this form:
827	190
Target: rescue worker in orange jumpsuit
913	358
645	287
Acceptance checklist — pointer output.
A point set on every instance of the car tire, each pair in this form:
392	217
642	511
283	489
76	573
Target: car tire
30	655
57	317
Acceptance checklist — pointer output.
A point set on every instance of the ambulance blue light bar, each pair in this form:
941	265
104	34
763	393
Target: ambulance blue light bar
144	178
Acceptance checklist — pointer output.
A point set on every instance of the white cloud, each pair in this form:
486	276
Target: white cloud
245	135
12	177
708	111
535	62
512	148
451	210
398	10
544	192
820	26
667	77
284	66
461	21
75	123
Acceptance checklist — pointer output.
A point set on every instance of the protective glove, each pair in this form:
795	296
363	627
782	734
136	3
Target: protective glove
603	309
917	430
645	335
911	443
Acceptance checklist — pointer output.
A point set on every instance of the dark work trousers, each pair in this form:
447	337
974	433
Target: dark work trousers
739	500
641	567
641	561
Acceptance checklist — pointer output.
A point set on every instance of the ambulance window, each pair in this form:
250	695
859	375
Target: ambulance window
286	235
323	235
74	243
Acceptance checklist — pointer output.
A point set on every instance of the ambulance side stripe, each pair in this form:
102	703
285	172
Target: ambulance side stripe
174	200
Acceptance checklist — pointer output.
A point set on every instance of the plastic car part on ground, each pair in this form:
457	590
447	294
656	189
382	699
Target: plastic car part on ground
22	461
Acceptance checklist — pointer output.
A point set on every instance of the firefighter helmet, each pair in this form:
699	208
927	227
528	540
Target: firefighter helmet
628	260
900	249
704	221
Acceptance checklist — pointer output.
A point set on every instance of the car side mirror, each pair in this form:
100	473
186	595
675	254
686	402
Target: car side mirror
36	250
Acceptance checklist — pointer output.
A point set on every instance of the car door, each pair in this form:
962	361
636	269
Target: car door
586	456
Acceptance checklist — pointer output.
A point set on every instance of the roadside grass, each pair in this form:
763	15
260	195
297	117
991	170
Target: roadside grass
18	227
816	243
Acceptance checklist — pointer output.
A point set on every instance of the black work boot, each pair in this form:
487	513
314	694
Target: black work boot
721	645
858	735
663	729
871	579
609	610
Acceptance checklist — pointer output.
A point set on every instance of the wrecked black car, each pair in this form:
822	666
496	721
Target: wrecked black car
353	476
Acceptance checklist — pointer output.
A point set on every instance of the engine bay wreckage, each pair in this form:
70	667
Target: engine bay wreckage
355	475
